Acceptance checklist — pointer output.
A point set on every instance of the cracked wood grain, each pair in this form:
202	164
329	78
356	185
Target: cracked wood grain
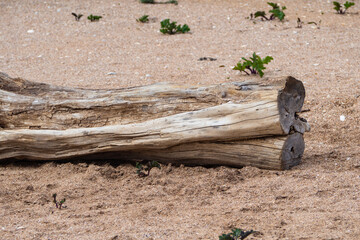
40	121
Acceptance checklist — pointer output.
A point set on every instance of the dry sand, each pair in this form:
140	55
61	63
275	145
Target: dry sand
319	199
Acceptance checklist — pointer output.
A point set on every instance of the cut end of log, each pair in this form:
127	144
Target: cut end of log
290	102
292	151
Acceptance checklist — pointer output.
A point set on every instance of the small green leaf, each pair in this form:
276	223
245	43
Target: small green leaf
143	19
259	14
261	73
337	7
348	4
139	166
278	14
155	164
237	232
273	5
225	237
240	67
267	59
185	28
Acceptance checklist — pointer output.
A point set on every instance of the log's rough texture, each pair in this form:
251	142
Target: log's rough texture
275	153
168	122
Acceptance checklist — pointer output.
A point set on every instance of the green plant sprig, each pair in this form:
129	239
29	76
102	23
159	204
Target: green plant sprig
143	19
276	12
339	9
58	204
168	27
236	234
144	170
94	18
255	65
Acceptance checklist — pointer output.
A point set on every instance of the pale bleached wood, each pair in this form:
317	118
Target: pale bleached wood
26	104
225	122
276	153
44	122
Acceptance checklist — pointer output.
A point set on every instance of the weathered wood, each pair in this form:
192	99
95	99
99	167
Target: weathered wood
26	104
276	153
40	121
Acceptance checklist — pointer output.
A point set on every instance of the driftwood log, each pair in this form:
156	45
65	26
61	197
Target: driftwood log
237	124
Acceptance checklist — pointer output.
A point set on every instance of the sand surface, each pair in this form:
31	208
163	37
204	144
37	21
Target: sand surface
319	199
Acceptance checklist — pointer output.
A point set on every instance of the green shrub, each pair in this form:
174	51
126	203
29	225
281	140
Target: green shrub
339	9
236	234
255	65
144	170
94	18
168	27
276	12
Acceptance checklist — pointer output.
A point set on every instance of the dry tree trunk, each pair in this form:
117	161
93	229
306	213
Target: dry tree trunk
276	153
40	121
